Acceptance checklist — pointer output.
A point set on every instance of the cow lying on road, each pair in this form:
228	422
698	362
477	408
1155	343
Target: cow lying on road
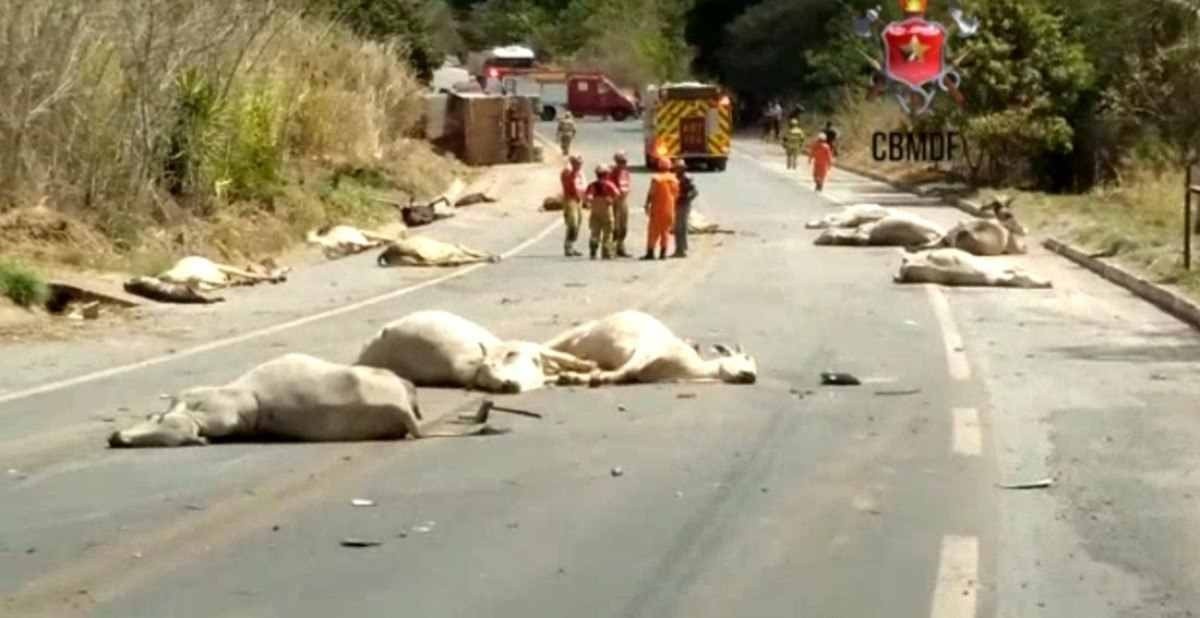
439	348
205	274
294	396
186	281
699	224
895	230
631	346
343	240
851	216
998	233
955	267
425	251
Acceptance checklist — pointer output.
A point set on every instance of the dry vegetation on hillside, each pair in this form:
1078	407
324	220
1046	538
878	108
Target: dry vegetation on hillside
133	132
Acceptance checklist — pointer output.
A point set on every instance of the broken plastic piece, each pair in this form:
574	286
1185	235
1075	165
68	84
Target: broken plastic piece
836	378
1042	484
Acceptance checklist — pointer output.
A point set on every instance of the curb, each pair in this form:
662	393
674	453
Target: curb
1181	308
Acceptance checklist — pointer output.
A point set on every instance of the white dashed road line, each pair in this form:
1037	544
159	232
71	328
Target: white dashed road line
968	438
954	593
956	358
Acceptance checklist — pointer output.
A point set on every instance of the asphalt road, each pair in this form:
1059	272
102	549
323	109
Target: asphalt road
783	498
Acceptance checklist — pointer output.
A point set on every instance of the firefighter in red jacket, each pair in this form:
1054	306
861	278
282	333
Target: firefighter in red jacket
600	196
573	187
620	177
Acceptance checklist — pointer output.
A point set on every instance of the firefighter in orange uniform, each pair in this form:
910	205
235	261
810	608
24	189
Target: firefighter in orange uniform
821	157
620	177
660	207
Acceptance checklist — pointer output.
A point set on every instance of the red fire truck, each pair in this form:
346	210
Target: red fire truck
581	93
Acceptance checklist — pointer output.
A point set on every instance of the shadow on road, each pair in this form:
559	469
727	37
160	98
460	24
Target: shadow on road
1111	353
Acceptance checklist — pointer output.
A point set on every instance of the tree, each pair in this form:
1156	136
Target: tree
764	49
426	28
1021	78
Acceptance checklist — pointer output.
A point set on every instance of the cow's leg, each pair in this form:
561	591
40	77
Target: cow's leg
245	274
565	361
622	375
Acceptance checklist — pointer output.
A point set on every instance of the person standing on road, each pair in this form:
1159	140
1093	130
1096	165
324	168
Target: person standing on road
776	121
793	144
601	195
831	134
821	158
620	177
660	207
566	133
573	189
683	207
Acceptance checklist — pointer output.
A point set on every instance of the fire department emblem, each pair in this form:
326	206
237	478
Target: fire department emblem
915	64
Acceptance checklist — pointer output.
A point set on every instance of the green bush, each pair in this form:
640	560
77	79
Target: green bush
23	286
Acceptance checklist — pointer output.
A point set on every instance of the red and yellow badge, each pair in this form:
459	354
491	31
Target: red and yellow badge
913	51
915	54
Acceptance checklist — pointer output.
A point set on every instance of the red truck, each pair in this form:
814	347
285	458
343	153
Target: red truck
581	93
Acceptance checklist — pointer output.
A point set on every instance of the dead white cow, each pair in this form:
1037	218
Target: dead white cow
955	267
205	274
343	240
631	346
294	396
439	348
898	229
699	224
426	251
850	217
997	233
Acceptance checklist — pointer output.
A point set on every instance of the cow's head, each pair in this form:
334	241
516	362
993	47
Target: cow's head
1001	209
736	367
511	367
176	427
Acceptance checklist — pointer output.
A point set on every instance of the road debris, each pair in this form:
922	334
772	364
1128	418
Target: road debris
898	392
574	284
17	474
1042	484
425	527
617	471
194	507
686	396
353	542
486	407
621	408
362	502
835	378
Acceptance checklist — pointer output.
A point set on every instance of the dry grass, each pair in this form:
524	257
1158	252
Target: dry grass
151	129
1143	219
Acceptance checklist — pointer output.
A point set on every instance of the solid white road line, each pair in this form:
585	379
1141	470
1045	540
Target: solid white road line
954	593
956	358
270	330
968	439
